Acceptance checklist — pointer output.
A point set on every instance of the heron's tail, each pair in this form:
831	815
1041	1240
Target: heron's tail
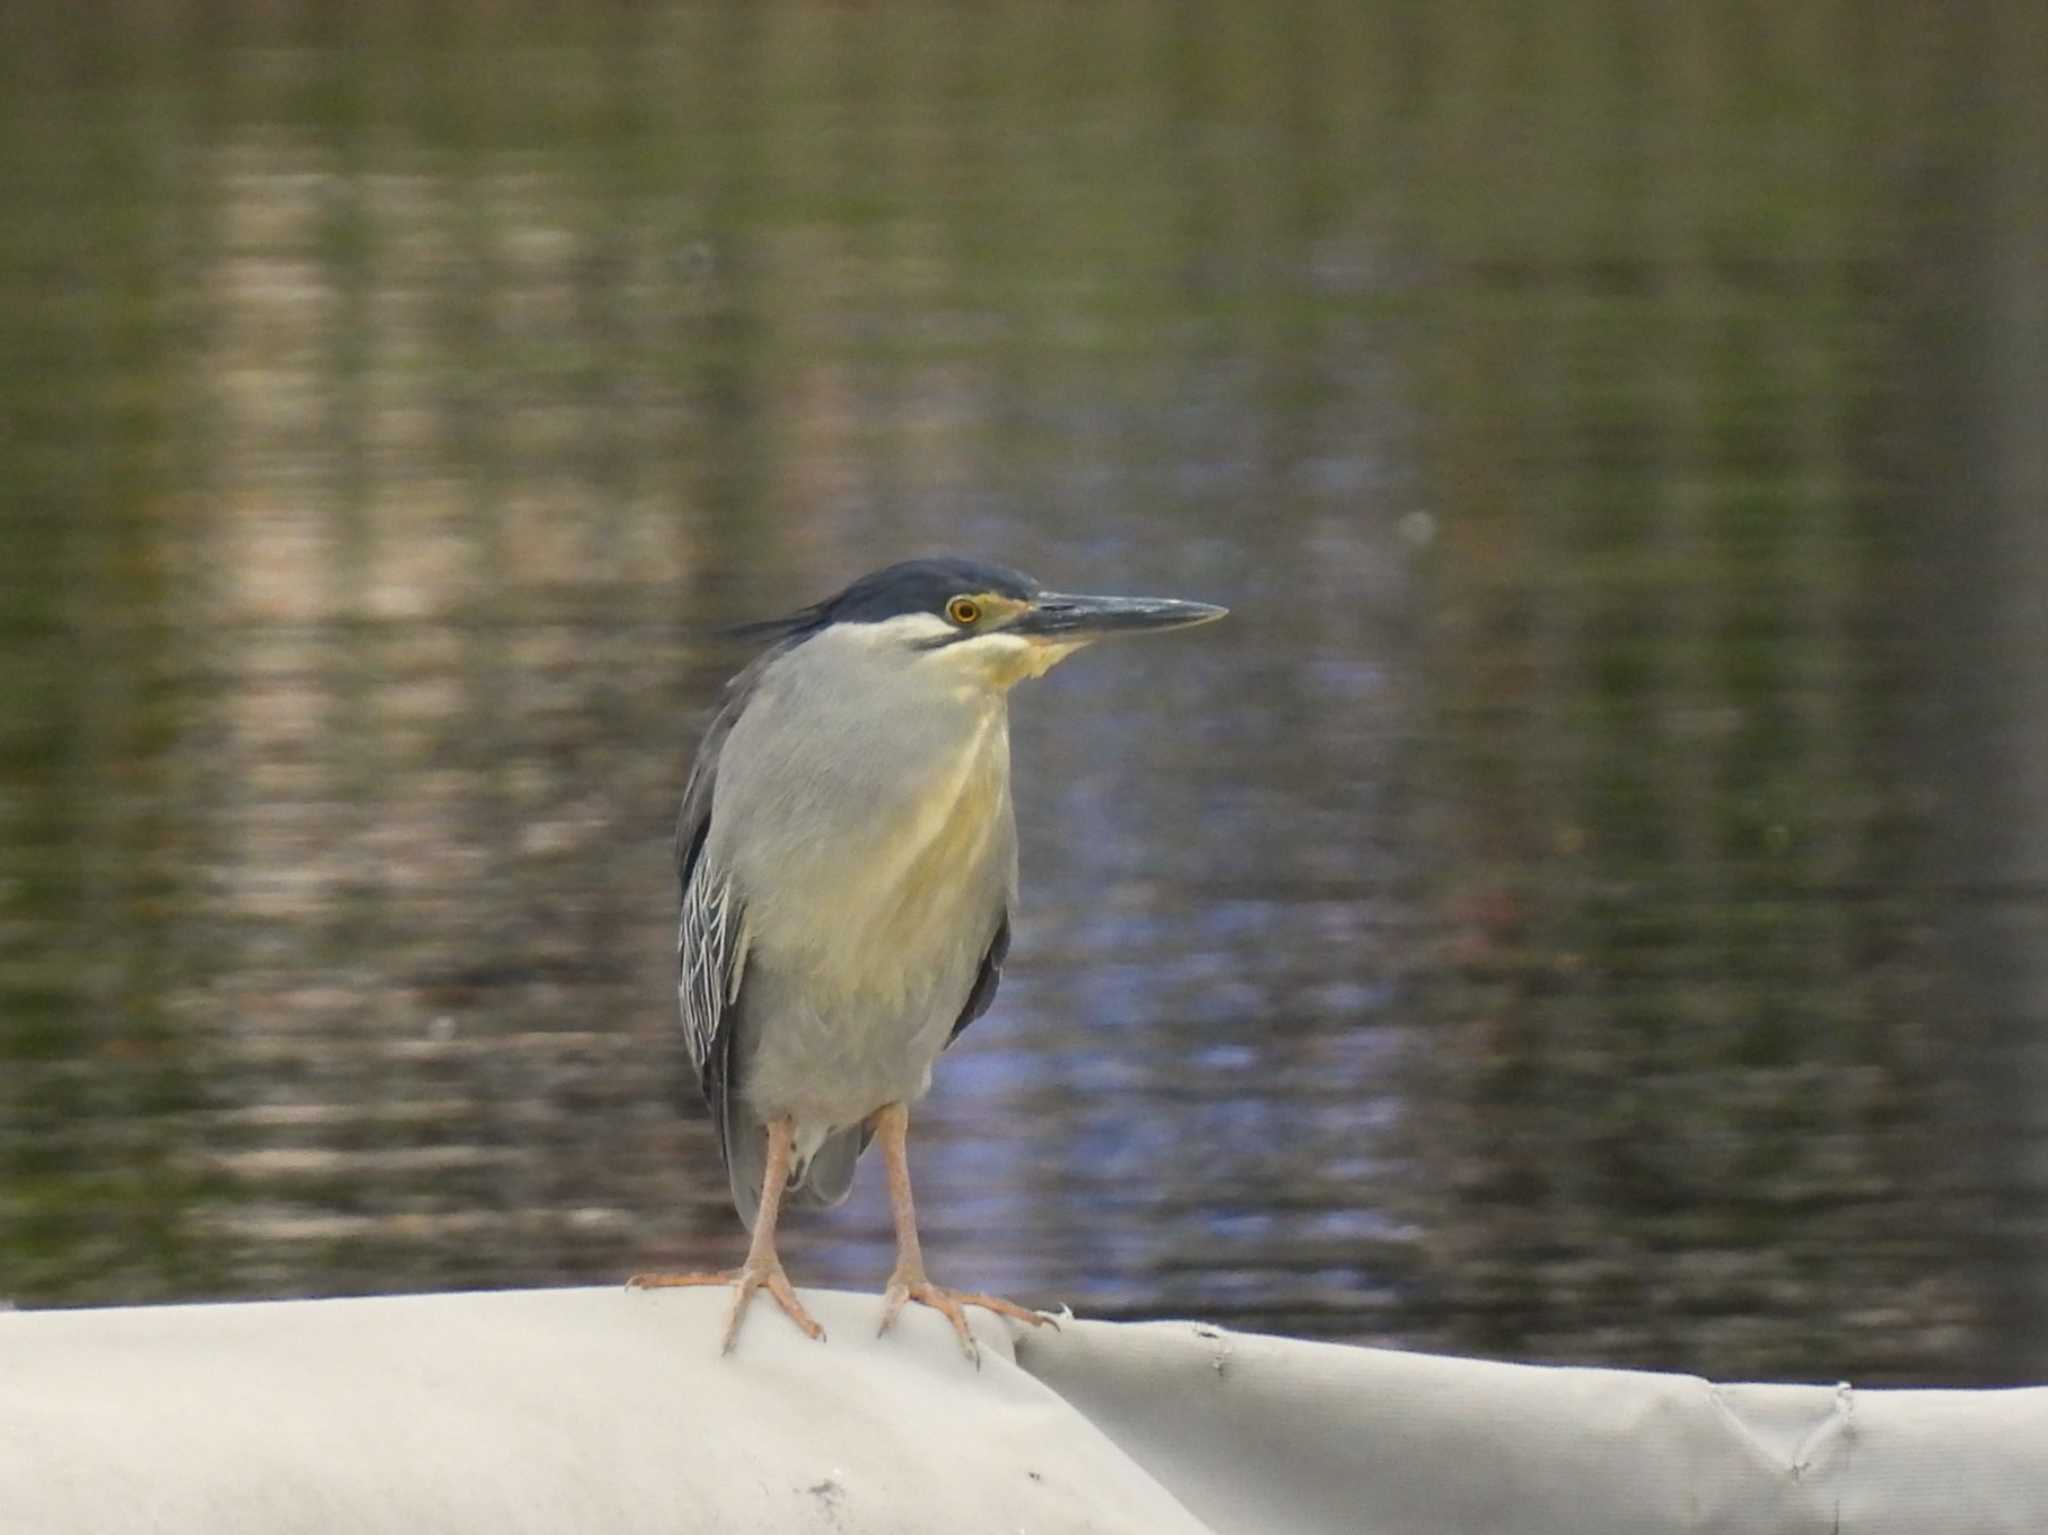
829	1177
825	1181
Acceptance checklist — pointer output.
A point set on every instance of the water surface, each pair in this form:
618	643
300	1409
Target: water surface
1586	904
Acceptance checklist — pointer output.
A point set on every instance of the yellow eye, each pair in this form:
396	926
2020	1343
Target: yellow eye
964	611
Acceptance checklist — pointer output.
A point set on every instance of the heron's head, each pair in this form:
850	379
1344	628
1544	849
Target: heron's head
983	625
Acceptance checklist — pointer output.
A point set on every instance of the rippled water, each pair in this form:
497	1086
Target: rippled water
1588	903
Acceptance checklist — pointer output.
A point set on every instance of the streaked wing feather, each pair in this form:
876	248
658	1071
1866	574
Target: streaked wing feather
708	960
710	937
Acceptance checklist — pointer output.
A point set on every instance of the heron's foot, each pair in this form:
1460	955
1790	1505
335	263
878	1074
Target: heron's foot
766	1275
952	1305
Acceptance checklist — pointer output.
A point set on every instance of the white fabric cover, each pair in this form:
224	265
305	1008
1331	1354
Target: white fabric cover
601	1411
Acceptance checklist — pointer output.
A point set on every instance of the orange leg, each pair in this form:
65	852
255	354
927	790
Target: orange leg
909	1281
762	1270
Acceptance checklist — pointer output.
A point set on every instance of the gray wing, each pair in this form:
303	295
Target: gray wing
987	979
710	948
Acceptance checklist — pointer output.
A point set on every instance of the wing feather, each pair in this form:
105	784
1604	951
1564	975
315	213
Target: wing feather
711	935
708	960
987	979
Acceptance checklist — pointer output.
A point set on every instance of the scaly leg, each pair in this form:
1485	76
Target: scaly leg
909	1282
763	1269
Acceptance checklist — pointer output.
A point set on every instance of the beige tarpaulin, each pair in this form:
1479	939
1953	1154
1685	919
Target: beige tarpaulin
600	1411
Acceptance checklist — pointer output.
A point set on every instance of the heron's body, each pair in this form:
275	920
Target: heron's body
848	859
867	833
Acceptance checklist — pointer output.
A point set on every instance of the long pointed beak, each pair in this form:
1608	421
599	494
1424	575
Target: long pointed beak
1065	617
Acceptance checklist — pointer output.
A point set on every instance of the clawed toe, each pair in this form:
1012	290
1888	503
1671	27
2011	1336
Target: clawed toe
952	1305
676	1281
777	1285
1009	1308
744	1281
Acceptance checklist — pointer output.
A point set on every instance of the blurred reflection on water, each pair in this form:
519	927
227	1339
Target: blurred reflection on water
1588	904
